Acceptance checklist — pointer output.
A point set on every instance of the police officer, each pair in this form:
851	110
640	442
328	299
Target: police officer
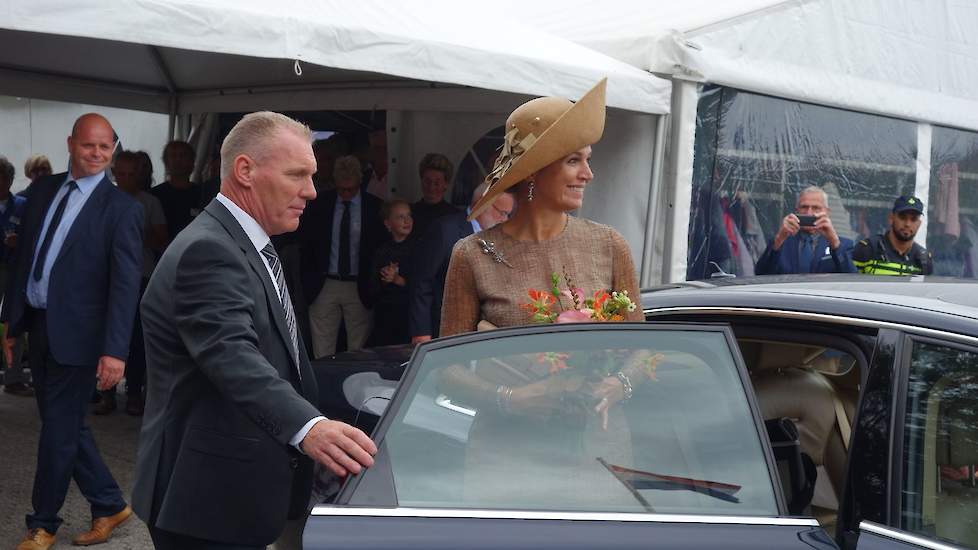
894	252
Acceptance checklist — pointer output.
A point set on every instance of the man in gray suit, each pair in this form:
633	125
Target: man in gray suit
229	430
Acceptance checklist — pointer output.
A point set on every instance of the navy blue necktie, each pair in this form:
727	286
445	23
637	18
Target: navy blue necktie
42	254
806	253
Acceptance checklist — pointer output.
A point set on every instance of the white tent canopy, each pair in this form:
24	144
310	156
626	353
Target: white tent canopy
445	72
913	59
200	55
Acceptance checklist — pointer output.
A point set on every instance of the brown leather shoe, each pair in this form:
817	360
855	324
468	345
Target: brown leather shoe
102	528
36	539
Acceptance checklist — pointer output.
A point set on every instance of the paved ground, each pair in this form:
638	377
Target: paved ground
116	436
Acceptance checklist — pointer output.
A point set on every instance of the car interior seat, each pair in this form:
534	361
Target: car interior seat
787	386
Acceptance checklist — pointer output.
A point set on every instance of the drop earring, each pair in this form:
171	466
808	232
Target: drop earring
529	194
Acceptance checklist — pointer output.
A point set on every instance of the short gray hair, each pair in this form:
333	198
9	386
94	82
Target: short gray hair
251	134
347	167
817	190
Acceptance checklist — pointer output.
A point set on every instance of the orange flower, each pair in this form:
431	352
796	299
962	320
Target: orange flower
557	361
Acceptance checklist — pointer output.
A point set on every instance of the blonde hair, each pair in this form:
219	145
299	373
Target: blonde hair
347	167
251	134
35	162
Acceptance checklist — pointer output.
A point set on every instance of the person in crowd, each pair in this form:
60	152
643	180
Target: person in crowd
230	434
126	170
73	287
435	171
392	264
327	151
145	174
895	252
36	167
178	195
340	233
806	242
210	184
434	250
15	382
375	176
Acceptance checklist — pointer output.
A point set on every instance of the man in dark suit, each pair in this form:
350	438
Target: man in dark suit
229	434
74	285
426	283
804	248
340	234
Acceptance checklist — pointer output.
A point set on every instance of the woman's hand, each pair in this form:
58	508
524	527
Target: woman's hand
609	391
545	396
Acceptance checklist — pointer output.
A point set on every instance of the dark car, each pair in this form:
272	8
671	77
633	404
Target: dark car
849	400
881	375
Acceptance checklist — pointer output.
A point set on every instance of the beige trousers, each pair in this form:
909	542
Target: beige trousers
338	300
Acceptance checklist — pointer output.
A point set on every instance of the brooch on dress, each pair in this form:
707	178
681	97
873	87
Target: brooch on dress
488	247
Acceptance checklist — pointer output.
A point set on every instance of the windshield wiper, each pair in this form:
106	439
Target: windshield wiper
635	480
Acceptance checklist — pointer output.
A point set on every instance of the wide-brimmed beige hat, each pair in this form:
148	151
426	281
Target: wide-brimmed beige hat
542	131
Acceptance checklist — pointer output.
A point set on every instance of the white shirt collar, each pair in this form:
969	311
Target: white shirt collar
254	231
475	223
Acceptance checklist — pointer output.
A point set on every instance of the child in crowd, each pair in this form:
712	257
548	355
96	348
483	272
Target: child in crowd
388	286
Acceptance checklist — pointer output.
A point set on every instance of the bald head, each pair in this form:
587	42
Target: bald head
90	145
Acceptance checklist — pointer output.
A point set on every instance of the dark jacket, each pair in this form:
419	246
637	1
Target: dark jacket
427	282
224	394
824	260
93	290
10	221
316	237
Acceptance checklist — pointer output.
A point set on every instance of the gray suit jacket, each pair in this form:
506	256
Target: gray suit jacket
223	393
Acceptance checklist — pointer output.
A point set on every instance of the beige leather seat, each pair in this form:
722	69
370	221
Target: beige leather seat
786	389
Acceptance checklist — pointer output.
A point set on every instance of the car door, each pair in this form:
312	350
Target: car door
933	500
616	435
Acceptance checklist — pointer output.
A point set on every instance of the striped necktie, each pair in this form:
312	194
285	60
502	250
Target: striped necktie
284	299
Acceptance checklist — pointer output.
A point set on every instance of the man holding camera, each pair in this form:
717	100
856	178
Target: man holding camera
895	252
806	241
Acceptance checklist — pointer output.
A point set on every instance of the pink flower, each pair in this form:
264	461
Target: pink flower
573	316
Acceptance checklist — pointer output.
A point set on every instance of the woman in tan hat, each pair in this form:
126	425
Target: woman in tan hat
546	159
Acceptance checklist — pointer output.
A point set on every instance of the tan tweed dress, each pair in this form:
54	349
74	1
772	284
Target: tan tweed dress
478	287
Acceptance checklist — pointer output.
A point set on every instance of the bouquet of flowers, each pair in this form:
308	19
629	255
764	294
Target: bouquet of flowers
548	306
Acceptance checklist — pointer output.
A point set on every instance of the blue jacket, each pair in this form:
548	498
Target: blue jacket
94	286
825	260
10	220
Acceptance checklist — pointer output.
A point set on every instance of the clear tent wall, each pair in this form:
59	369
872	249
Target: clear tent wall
753	154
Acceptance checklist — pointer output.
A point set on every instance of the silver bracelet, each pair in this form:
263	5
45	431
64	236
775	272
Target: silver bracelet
626	385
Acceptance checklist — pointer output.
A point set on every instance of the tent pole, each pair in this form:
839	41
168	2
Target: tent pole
679	179
651	274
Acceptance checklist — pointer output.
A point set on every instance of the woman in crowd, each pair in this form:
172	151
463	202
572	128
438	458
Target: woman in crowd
435	171
388	285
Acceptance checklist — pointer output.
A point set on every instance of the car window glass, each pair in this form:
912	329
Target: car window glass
940	496
512	424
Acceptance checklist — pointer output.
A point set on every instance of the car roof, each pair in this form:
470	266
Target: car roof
940	303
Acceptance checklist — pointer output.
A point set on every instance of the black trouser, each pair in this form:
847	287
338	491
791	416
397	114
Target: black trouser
165	540
67	448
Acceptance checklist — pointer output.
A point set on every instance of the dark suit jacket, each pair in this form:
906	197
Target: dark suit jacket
316	234
426	285
223	397
93	290
825	260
